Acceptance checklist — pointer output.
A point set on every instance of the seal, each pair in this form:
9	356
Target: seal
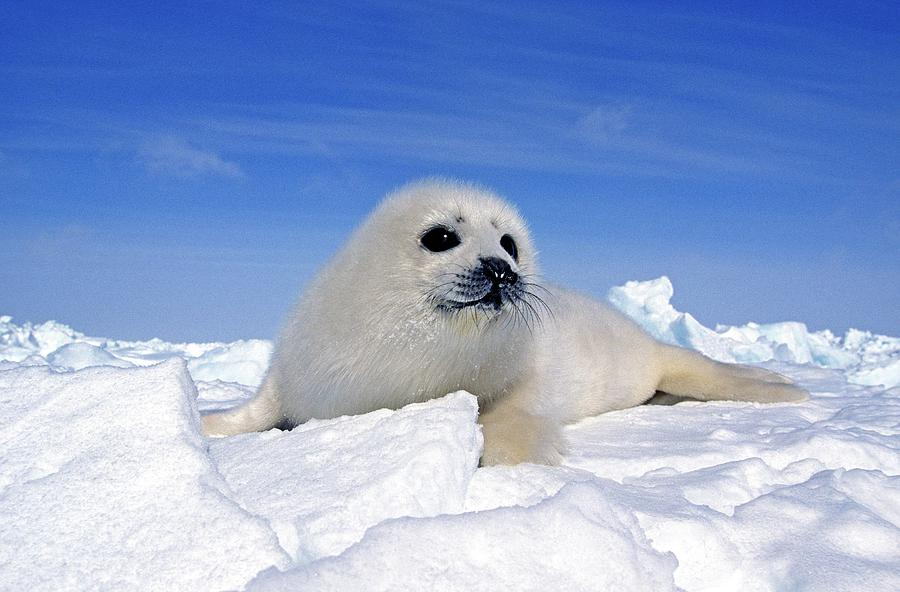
439	291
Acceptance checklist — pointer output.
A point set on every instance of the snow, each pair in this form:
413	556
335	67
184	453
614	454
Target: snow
79	355
576	540
106	482
63	348
415	462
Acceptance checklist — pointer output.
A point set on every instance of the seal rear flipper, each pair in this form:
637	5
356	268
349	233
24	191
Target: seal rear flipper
691	374
260	413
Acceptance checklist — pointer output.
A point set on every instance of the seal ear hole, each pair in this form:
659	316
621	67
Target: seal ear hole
509	245
439	238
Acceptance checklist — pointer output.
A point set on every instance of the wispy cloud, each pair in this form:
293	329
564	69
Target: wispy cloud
174	156
59	243
612	137
604	122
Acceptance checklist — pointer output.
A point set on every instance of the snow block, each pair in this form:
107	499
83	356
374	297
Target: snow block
323	484
105	484
575	540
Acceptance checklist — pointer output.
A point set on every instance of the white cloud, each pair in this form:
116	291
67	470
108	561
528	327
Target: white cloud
605	122
174	156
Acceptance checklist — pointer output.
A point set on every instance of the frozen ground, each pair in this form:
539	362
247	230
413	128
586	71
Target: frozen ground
105	482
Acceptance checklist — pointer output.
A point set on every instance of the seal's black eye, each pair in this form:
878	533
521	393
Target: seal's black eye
439	239
509	245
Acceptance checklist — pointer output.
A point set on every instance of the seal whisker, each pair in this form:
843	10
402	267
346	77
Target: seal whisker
526	281
532	311
540	301
521	315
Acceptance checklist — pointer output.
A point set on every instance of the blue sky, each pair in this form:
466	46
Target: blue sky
181	170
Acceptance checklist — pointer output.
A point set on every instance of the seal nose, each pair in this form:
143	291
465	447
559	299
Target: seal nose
498	272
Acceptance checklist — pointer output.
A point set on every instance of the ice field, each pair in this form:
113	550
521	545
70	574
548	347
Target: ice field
107	484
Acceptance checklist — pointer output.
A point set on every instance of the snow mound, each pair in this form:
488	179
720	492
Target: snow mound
575	540
105	484
868	359
828	531
357	471
79	355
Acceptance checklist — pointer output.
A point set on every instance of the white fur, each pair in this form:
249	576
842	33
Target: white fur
367	334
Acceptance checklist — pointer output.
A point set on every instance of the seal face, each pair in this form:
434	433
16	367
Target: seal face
474	256
487	286
439	290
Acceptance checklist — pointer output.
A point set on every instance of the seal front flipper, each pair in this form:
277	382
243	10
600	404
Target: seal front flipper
513	435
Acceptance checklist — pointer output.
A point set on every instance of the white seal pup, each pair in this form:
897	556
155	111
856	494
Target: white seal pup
437	291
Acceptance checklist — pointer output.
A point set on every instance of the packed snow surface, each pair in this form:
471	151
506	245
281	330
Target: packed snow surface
106	482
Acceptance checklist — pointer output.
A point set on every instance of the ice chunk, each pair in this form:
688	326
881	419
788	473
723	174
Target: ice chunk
648	303
887	375
19	342
105	484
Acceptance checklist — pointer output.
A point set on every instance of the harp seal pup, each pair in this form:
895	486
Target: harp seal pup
437	291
